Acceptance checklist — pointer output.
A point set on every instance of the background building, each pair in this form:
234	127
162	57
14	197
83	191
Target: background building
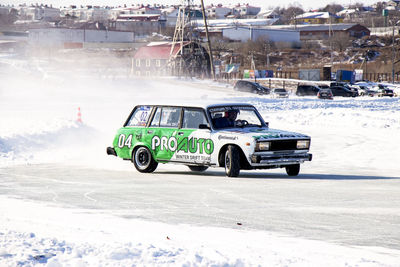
244	34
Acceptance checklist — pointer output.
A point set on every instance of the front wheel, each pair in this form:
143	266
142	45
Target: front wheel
198	168
232	162
143	160
293	170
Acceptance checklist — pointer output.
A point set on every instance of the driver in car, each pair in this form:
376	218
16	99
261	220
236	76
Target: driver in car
229	119
232	115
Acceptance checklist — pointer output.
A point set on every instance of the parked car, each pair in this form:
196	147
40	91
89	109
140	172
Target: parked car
232	136
395	87
364	90
251	87
279	93
325	94
307	89
343	91
385	91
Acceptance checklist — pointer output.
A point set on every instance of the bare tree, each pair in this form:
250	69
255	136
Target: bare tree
332	8
254	50
357	5
341	41
288	14
379	7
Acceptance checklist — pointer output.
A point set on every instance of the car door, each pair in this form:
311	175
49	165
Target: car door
310	90
248	87
194	143
253	88
341	91
162	132
335	90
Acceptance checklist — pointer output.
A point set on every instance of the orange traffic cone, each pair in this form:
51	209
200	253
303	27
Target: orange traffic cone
79	119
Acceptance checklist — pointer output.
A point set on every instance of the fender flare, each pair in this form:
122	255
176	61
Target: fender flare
244	164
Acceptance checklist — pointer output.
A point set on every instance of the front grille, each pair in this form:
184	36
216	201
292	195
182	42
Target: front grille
278	145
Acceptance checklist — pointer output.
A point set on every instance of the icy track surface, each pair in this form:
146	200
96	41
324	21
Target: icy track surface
64	202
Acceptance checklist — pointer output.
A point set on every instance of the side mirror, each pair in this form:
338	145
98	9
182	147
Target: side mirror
204	126
267	123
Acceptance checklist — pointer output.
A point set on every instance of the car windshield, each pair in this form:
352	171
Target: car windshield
280	90
234	117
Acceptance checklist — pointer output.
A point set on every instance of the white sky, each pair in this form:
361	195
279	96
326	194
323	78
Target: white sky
306	4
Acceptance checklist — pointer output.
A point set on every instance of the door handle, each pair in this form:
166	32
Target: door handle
180	133
149	131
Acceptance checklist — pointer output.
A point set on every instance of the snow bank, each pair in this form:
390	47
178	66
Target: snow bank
39	147
64	237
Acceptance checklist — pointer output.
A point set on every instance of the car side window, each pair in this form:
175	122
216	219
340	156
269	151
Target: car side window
192	118
139	116
170	117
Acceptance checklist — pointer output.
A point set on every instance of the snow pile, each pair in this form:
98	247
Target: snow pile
87	239
37	147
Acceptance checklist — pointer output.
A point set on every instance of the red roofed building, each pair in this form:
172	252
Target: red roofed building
153	59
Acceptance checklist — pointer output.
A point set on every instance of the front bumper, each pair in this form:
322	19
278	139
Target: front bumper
278	159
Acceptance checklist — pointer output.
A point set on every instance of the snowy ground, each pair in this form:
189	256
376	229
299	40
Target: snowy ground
354	142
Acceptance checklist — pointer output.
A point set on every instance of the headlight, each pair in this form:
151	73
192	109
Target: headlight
263	146
303	144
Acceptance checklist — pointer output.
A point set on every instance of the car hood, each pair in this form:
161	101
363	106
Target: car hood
264	133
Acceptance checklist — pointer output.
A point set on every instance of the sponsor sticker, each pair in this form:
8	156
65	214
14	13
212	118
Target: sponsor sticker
192	145
228	108
221	137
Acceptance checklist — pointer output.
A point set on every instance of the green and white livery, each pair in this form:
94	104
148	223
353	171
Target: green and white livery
233	136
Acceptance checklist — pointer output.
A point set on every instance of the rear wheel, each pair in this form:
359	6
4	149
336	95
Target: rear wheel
143	160
198	168
232	162
293	170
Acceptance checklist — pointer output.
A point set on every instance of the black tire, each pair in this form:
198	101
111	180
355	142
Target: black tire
232	162
143	160
293	170
198	168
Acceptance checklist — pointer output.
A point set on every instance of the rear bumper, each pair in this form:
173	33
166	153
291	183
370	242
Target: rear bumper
258	160
111	151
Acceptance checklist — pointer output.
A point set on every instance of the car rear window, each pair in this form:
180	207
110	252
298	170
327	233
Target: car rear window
139	116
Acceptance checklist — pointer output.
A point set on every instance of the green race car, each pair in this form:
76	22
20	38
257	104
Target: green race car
233	136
